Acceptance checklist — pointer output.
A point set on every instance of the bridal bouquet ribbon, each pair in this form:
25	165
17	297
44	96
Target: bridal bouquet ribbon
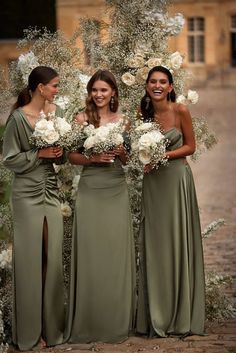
51	130
103	138
148	146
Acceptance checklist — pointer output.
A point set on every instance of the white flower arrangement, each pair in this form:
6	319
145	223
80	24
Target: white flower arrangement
175	61
62	101
190	98
170	25
140	64
6	259
104	138
51	130
26	63
148	146
154	62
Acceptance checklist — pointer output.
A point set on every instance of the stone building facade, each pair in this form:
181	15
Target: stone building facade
208	39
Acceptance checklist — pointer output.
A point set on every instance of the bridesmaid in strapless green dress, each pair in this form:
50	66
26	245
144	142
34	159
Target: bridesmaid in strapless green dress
171	276
38	307
101	302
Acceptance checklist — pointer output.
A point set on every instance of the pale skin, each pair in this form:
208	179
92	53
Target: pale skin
41	100
101	95
169	114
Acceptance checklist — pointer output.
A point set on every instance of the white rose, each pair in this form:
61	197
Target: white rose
142	74
176	60
63	126
89	142
66	209
128	79
145	141
26	63
102	133
144	155
192	96
42	126
51	136
89	129
154	62
143	127
150	139
136	61
62	101
181	99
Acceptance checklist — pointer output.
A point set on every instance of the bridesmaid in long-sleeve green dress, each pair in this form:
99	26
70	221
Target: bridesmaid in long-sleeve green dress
171	277
38	307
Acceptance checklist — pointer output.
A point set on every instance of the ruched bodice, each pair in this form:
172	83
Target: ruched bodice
34	199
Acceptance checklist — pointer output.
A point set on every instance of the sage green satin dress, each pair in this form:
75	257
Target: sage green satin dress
171	277
34	198
101	302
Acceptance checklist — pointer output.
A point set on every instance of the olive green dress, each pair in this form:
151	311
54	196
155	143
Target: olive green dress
101	302
171	276
34	198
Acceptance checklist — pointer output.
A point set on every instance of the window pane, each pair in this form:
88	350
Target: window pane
191	24
191	49
233	21
199	48
199	24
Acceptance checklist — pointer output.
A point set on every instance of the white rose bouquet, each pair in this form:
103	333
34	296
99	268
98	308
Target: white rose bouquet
103	138
51	130
148	146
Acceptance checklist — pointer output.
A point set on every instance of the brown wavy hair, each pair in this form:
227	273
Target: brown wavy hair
91	108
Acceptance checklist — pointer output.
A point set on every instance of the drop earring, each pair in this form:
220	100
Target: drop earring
147	100
112	101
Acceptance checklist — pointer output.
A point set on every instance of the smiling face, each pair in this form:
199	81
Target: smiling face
101	93
158	86
50	89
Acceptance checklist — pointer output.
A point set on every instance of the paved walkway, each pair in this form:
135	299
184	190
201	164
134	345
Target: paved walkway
215	182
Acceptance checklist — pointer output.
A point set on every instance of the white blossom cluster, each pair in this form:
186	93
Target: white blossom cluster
148	145
190	98
25	64
171	26
103	138
212	227
139	65
6	259
51	130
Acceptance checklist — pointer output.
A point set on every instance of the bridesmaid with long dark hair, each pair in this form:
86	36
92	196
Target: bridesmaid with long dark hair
38	307
171	278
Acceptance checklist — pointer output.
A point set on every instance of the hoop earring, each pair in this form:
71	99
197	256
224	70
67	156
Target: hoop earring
112	101
147	100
